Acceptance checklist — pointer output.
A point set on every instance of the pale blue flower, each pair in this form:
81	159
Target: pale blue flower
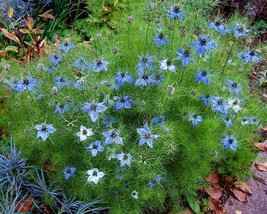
95	147
125	159
65	47
112	136
93	109
229	142
175	12
44	130
100	65
69	171
28	83
146	136
195	119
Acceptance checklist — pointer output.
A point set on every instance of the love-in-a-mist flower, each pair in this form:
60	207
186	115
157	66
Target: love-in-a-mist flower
195	119
68	172
159	120
249	120
135	194
143	79
65	47
219	27
82	64
44	130
61	108
204	44
100	65
145	63
146	136
121	78
124	102
112	136
249	56
228	120
203	76
11	83
218	104
55	59
233	86
155	79
156	181
185	56
94	175
108	120
61	82
84	133
167	65
235	104
240	31
95	147
93	109
28	83
175	12
125	159
206	98
229	142
160	39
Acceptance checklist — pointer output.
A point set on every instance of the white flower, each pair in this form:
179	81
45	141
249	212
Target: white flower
135	194
166	65
94	175
234	104
84	133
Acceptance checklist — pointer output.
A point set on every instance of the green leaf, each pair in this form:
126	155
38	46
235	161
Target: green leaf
193	203
11	48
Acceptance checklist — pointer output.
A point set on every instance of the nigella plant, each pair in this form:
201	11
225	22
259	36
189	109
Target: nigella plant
145	62
100	65
249	56
167	65
93	109
95	147
28	83
218	104
240	31
219	27
206	98
124	102
160	39
185	56
55	59
68	172
112	136
229	142
44	130
233	86
146	136
82	64
175	12
121	78
195	119
61	108
144	78
204	44
61	82
125	159
65	47
203	76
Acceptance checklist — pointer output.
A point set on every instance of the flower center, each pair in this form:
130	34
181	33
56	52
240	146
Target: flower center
26	82
217	24
113	134
93	107
125	157
44	129
95	173
230	141
203	42
99	63
176	9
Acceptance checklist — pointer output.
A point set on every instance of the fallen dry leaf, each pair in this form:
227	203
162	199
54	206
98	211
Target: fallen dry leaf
261	146
213	204
24	206
213	178
240	195
243	186
213	192
261	166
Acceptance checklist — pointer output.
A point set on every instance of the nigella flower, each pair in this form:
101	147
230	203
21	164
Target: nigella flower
84	133
229	142
28	83
249	120
228	120
218	104
146	136
11	83
203	76
94	175
135	194
204	44
159	120
185	56
60	82
125	159
100	65
218	26
112	136
109	120
160	39
44	130
55	59
156	181
240	31
234	87
65	47
121	78
143	80
206	98
93	109
235	104
82	64
155	79
123	102
79	84
95	147
69	171
249	56
167	65
175	12
195	119
40	96
61	109
145	62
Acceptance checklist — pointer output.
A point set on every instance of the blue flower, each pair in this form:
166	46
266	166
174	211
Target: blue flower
124	102
28	83
240	31
175	12
155	79
228	120
109	120
65	47
93	109
112	136
100	65
60	82
234	87
40	96
166	65
121	78
55	59
159	120
204	76
249	56
79	84
82	64
160	39
249	120
185	56
44	130
218	26
125	159
11	83
146	136
145	63
61	109
156	181
229	142
218	104
69	171
95	147
206	98
143	80
195	119
204	44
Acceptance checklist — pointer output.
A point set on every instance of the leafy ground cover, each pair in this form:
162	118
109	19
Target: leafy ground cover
135	119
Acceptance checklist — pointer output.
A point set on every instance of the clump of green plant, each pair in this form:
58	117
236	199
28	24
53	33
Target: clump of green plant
138	120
